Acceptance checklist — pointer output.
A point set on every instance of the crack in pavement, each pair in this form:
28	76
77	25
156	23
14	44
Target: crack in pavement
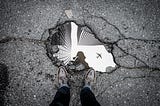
132	55
146	43
142	67
122	38
122	35
113	70
142	40
8	39
107	22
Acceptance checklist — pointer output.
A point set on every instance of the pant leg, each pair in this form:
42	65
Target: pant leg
87	98
62	97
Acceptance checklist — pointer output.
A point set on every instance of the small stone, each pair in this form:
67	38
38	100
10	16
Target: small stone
34	96
69	13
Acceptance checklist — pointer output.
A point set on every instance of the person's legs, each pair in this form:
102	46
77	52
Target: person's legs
87	97
62	96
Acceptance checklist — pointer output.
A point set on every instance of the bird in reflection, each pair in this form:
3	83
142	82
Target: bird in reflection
99	55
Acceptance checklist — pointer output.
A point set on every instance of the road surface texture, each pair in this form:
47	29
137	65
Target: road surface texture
129	29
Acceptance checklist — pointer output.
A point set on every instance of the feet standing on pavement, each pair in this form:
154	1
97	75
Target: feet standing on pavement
90	78
62	77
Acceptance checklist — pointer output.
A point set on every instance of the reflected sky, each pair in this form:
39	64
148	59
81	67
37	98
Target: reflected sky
96	55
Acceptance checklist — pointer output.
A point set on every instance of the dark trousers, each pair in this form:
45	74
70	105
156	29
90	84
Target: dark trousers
62	97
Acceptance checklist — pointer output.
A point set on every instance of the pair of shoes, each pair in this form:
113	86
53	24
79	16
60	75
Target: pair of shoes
63	80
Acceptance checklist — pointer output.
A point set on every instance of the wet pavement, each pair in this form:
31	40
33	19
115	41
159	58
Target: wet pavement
129	30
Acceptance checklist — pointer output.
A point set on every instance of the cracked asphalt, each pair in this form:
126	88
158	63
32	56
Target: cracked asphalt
129	29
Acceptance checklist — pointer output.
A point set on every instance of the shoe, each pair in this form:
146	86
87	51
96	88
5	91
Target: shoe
62	77
90	78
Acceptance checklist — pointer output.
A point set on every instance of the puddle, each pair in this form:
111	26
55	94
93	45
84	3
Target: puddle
71	39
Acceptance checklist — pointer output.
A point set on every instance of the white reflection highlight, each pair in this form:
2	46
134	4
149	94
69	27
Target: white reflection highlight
98	62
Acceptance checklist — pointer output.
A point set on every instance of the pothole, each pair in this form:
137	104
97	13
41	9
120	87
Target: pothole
76	46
